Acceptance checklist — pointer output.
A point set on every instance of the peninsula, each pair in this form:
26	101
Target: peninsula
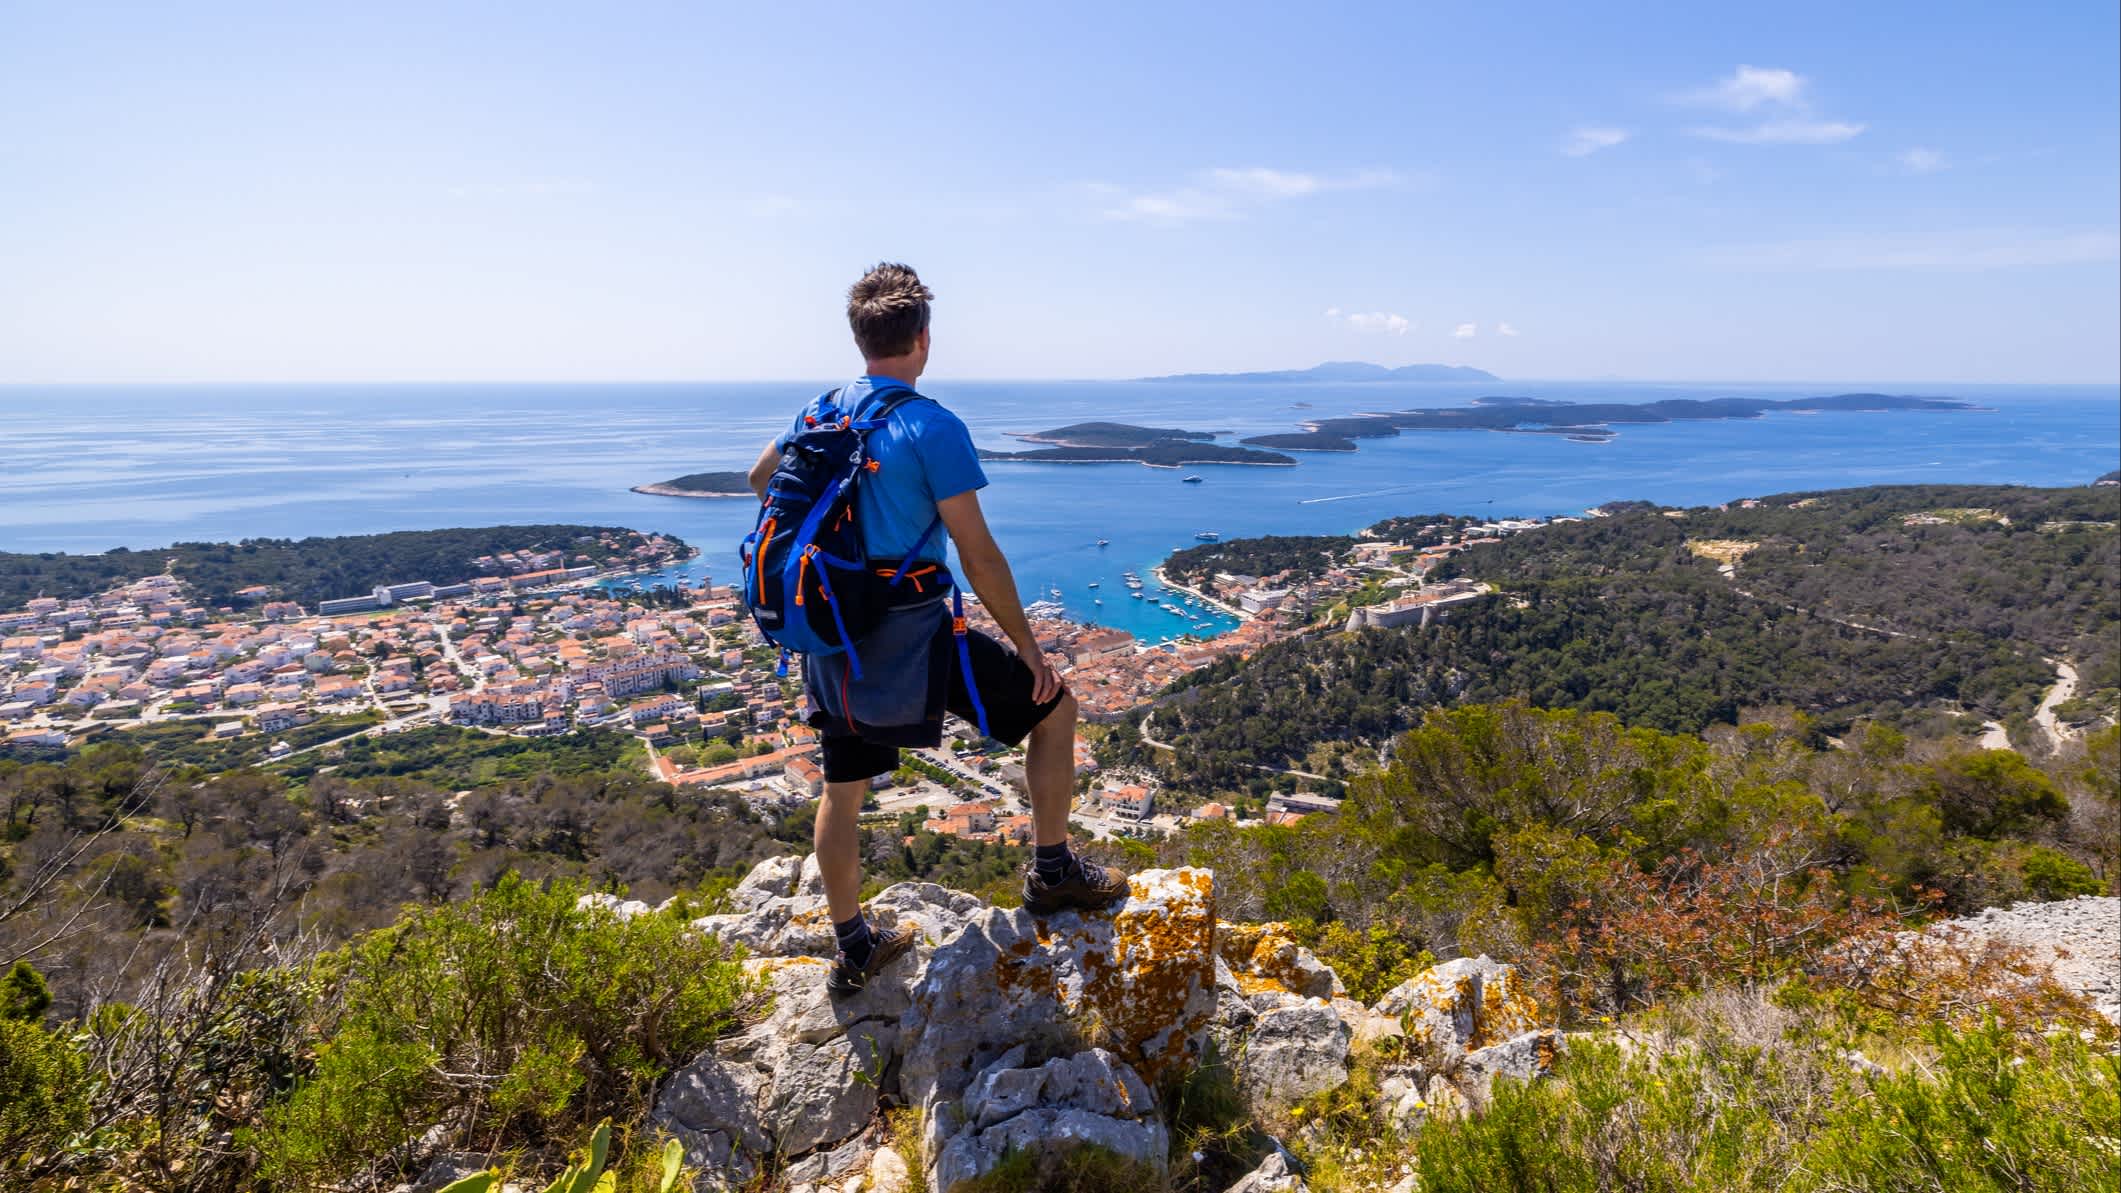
1341	370
1124	443
1590	422
702	484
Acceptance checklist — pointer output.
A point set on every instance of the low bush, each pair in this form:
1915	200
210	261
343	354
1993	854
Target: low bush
1774	1107
513	1019
43	1092
2002	1113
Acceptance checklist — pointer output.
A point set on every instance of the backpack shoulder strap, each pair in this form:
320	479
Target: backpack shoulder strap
893	398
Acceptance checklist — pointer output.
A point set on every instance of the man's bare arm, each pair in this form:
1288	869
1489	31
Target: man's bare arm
762	471
980	557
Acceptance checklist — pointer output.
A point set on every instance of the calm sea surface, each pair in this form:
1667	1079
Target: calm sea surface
88	468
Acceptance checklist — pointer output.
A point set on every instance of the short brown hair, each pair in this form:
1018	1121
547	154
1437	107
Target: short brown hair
887	309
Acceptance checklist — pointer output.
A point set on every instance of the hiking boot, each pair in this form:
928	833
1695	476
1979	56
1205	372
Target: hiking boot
848	978
1086	887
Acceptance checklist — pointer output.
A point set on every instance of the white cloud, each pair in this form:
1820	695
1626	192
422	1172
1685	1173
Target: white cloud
1590	139
1784	132
1921	161
1504	329
1749	87
1272	184
1373	322
1465	331
1172	207
1229	193
1970	249
1754	88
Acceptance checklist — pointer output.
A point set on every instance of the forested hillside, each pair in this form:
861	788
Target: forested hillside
2006	564
312	569
1909	605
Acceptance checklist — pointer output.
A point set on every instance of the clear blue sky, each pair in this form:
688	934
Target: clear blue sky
375	191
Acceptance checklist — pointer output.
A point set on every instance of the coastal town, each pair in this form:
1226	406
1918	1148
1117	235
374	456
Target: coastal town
545	644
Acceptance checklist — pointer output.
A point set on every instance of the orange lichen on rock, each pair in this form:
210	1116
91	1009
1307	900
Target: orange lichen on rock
1147	992
1507	1010
767	966
1267	957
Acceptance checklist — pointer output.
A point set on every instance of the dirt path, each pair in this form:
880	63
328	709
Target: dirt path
2065	687
1993	735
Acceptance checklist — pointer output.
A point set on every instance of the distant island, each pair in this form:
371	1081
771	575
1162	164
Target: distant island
1583	422
1124	443
1342	370
702	484
1580	422
1304	441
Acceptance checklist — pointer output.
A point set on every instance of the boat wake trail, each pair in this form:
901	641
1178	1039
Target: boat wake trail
1353	496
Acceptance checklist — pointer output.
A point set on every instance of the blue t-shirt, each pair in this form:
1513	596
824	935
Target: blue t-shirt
924	455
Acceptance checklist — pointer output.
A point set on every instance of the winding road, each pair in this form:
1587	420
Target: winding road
1993	735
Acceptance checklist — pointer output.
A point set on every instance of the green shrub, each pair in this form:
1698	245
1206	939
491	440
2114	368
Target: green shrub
43	1092
23	994
1974	873
1770	1107
2000	1114
1722	1118
515	1018
1370	963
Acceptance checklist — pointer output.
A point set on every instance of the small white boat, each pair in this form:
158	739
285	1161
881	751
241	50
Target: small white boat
1104	542
1209	536
1093	584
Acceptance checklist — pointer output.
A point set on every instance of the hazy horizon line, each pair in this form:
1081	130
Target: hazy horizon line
1005	380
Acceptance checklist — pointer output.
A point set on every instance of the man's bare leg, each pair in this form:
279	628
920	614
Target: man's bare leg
1049	771
837	840
1057	880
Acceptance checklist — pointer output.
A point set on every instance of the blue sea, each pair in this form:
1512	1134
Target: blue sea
86	468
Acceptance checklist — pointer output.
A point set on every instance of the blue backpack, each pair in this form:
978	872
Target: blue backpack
808	580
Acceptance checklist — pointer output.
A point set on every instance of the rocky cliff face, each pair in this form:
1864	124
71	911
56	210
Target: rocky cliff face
1010	1032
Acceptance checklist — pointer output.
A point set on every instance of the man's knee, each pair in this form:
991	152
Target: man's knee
1061	719
844	798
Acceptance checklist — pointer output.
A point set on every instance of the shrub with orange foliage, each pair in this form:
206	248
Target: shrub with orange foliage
1630	938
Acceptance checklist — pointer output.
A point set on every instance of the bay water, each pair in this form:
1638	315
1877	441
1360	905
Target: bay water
87	468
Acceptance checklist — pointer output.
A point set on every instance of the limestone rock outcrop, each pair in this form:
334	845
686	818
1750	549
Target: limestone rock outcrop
1459	1006
1091	1097
1139	981
1008	1031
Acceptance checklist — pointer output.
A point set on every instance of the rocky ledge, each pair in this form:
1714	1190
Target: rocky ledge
1011	1032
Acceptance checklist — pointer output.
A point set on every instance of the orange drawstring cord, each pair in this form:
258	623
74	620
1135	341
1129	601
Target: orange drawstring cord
765	540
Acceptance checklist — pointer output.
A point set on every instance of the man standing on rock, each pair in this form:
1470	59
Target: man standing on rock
926	468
